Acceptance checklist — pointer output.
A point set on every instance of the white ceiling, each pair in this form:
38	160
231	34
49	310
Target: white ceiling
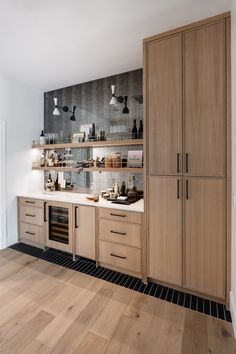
50	44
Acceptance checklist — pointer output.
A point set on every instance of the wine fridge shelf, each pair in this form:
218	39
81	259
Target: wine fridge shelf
89	144
91	169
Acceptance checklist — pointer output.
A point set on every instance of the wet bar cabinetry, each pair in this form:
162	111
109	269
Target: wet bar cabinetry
187	149
110	236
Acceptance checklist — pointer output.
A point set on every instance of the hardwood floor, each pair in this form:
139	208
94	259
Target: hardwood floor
45	308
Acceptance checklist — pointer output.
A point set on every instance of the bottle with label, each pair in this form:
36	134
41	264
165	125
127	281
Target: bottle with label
134	131
116	190
123	189
42	138
140	131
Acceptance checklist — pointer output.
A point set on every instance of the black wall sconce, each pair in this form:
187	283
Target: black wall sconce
120	99
56	111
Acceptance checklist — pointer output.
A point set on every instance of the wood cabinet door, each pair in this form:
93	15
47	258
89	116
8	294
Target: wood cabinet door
204	100
165	229
85	231
163	62
205	220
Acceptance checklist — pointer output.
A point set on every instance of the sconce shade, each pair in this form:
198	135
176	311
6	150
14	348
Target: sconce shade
56	112
113	101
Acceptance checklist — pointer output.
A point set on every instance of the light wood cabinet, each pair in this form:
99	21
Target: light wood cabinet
84	232
204	100
120	256
164	104
120	232
31	216
165	229
120	241
187	148
205	220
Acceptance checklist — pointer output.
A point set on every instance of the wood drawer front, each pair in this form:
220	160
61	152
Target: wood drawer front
32	215
31	202
120	232
120	256
31	233
120	215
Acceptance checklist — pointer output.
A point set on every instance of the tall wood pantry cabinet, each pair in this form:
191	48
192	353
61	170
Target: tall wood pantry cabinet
187	149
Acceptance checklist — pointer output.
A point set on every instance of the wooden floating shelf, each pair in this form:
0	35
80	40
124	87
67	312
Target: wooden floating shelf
90	169
90	144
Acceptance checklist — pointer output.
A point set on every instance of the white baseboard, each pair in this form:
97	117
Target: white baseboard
233	312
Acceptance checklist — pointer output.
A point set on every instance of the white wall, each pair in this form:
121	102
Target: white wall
233	61
22	109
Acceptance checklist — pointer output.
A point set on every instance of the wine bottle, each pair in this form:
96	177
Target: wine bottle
140	131
134	131
42	139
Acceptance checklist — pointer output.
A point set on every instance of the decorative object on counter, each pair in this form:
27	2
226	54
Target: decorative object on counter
120	99
134	130
42	138
140	131
78	137
135	158
49	184
94	198
56	111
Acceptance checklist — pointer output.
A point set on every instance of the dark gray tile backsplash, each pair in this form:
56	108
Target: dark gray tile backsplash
92	102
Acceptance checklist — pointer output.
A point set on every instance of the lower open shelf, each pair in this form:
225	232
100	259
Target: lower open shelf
91	169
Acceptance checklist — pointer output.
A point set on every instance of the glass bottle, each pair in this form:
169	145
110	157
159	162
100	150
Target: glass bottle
140	131
134	131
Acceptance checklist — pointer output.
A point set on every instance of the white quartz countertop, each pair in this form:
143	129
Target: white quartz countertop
79	198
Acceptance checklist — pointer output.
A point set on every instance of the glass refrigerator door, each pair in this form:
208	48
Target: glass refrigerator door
59	224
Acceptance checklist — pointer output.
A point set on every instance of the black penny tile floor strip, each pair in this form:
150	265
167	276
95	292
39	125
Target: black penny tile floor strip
87	266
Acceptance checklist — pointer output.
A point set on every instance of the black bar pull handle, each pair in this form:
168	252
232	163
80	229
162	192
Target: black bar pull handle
178	162
30	233
178	189
115	255
118	233
187	191
45	211
29	202
120	215
76	221
186	162
30	215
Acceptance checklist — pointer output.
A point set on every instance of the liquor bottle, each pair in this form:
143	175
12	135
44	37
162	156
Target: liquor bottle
140	131
42	139
123	189
134	131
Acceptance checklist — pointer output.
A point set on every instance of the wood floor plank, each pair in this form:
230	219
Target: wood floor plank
27	334
145	317
106	323
92	343
83	323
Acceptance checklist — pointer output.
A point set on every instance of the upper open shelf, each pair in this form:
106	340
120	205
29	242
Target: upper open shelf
89	144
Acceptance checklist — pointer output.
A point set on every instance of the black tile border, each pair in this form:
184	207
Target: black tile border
87	266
